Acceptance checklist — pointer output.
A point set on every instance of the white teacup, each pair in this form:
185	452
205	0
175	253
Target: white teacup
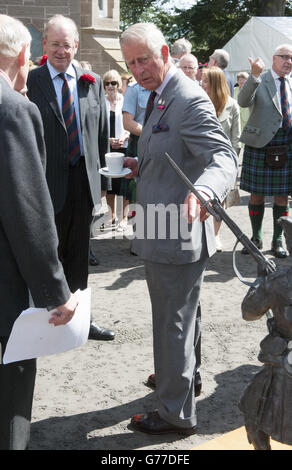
114	162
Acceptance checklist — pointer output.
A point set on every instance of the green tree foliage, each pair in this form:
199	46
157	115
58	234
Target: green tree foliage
209	24
135	11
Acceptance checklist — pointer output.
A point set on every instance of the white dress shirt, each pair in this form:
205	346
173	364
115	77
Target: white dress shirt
72	83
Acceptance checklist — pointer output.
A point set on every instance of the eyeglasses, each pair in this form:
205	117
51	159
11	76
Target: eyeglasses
185	67
55	46
285	57
113	83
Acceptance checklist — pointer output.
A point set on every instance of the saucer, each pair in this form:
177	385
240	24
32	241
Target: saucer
104	171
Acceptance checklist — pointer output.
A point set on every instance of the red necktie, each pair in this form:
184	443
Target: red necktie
285	104
68	111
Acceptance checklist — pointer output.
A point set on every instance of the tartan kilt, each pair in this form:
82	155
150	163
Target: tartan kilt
257	178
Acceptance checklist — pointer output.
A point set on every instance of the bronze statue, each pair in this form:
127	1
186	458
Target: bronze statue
267	401
286	223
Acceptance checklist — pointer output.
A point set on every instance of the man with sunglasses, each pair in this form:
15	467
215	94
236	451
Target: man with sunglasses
73	110
267	160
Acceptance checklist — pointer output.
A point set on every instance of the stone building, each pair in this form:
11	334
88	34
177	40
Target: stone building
97	20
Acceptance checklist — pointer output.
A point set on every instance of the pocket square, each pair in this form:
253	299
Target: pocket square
159	128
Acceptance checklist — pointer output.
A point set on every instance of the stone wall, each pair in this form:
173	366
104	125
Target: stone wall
99	36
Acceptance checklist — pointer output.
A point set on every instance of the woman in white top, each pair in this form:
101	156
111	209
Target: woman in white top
227	110
118	137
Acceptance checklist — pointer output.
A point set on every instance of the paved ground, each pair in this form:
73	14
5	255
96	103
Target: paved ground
84	398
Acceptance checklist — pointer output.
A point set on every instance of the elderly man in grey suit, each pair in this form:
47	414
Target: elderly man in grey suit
182	123
28	237
267	159
72	105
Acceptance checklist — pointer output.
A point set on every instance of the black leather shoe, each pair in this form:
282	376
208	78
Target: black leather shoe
151	423
258	243
93	261
151	382
278	250
99	333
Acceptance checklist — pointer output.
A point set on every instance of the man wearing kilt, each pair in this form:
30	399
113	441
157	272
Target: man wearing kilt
267	159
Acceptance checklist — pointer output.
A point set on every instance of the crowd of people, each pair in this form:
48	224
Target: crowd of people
62	118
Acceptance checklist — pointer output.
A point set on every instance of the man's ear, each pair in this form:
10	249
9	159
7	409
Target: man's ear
44	41
22	56
76	44
165	53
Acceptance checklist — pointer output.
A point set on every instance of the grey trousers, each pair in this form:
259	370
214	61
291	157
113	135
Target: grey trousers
17	381
175	292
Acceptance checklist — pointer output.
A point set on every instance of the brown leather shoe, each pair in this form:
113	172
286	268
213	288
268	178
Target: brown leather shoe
152	423
151	382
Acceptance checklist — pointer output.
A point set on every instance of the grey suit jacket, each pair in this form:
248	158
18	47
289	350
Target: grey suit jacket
266	115
194	138
28	238
94	130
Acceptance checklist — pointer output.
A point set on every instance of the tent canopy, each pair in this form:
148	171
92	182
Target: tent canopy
259	37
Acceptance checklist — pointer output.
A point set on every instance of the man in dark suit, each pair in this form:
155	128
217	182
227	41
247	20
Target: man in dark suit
28	237
73	110
181	121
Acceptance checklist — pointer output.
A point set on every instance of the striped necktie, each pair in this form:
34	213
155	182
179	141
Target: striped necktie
150	105
69	116
285	104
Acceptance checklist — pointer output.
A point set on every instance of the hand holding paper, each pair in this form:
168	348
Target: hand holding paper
34	335
64	312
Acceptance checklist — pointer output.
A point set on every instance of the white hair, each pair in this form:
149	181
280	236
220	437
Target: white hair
13	36
281	47
147	32
181	46
221	57
64	21
189	57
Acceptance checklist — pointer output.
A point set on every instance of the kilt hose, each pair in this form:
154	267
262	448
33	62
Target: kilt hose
257	178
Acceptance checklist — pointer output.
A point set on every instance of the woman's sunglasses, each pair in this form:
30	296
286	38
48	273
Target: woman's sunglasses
110	83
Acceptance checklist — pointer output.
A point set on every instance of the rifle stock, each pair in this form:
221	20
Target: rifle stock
214	207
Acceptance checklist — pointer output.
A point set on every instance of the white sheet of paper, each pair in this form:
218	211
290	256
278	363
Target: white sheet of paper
33	336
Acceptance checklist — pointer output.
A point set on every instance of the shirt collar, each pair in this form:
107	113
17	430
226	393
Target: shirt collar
276	76
6	77
54	73
170	73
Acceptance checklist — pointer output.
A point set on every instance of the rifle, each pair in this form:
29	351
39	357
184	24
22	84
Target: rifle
213	206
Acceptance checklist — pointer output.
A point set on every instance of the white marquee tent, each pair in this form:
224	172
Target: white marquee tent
259	37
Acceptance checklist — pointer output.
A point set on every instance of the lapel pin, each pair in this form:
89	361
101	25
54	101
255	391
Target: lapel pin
161	104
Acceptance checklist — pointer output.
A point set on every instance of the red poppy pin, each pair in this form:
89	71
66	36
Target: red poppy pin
43	59
87	78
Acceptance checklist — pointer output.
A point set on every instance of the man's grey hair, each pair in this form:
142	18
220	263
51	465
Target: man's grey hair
221	57
180	47
147	32
64	21
13	36
281	47
190	57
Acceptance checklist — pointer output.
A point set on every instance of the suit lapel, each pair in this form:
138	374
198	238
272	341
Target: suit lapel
82	96
158	113
46	84
164	101
272	90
